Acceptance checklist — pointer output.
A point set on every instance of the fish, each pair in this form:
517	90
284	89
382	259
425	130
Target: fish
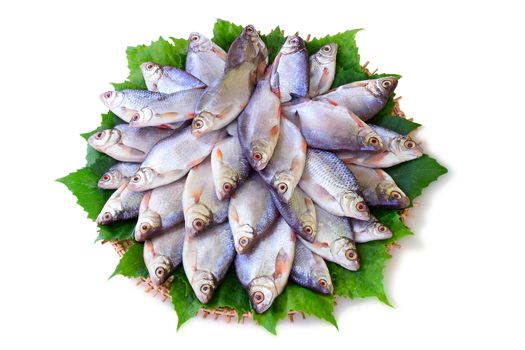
167	80
378	188
287	163
247	47
127	144
160	210
365	98
265	270
251	213
369	230
329	127
231	129
310	271
224	99
398	149
122	205
163	253
299	213
334	240
291	67
170	108
201	206
172	158
116	175
322	70
205	59
206	259
330	184
259	123
229	167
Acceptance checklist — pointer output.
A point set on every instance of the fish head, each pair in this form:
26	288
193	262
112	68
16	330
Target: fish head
262	292
142	180
198	42
152	72
104	139
197	218
385	86
308	220
369	140
346	253
148	224
322	280
141	117
111	212
371	230
405	148
392	195
327	53
250	33
112	99
379	231
202	123
160	269
283	183
244	238
226	183
354	205
110	180
259	156
204	285
293	43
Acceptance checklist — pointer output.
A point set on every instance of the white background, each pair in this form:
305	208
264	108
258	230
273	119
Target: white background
458	282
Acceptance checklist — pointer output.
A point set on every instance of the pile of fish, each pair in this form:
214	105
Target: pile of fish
238	162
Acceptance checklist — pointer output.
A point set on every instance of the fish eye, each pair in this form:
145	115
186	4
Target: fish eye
361	206
257	156
294	41
135	117
410	144
107	94
106	178
194	38
351	254
243	241
258	297
323	283
145	227
205	288
308	230
386	83
99	135
374	141
135	178
198	124
198	224
282	187
159	272
382	228
149	66
326	48
396	195
107	216
227	186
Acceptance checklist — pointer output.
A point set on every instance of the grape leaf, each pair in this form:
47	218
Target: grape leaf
131	264
224	33
183	299
274	40
119	231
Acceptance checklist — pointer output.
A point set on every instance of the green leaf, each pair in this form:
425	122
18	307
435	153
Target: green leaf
224	33
395	123
297	298
132	263
412	177
160	51
274	40
183	299
119	231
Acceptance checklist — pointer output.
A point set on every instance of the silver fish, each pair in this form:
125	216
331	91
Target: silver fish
322	70
291	68
160	210
170	108
309	270
206	259
167	79
398	149
287	163
201	206
163	253
127	144
205	59
299	213
331	127
224	99
251	213
126	103
265	270
247	47
365	98
229	167
122	205
172	158
332	186
378	188
258	124
369	230
334	241
231	129
114	177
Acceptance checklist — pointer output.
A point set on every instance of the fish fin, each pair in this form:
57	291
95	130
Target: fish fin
234	215
224	112
358	121
323	193
165	126
218	153
196	162
130	151
324	78
197	195
274	82
274	131
295	119
332	102
310	206
219	52
296	163
174	116
146	199
280	264
297	98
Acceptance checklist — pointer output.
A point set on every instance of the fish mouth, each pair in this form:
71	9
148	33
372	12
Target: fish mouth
323	283
381	231
147	226
262	293
259	154
346	252
244	238
198	218
160	270
204	284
